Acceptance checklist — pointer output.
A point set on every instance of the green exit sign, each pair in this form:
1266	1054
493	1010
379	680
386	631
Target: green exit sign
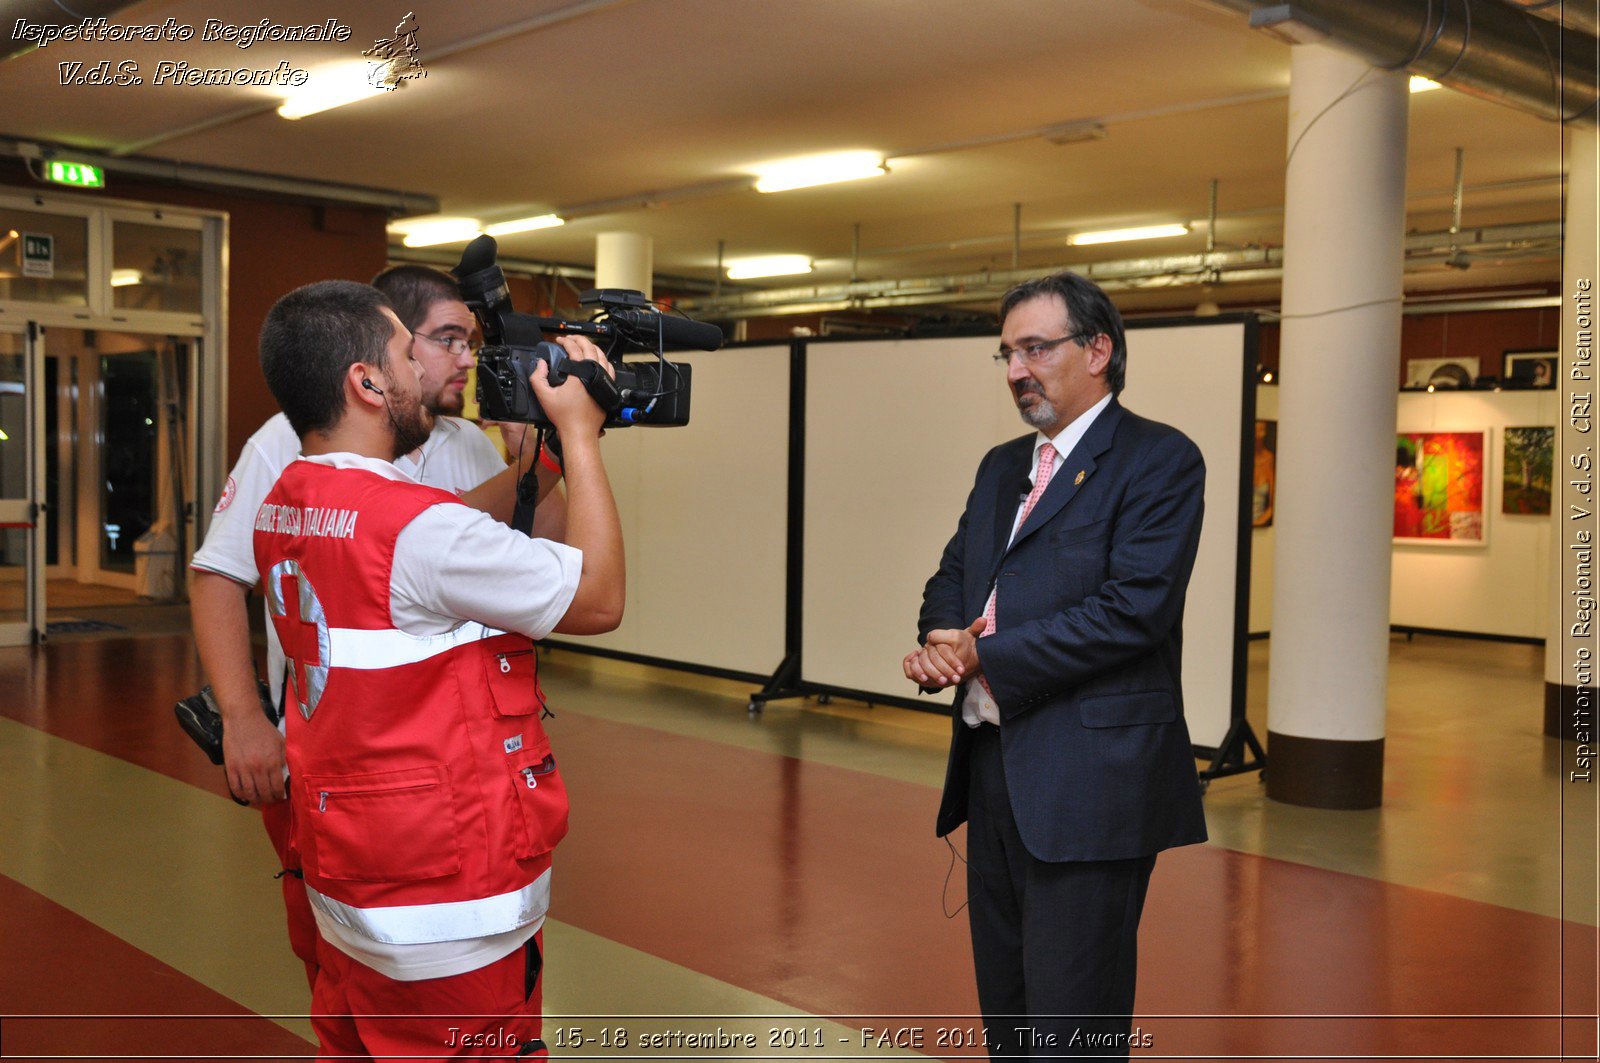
76	174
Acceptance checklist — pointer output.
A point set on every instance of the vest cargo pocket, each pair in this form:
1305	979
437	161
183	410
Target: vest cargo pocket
542	800
391	826
513	674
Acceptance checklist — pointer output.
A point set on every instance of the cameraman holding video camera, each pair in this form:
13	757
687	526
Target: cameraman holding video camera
457	456
424	795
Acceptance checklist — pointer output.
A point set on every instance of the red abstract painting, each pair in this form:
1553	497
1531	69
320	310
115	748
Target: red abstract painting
1438	487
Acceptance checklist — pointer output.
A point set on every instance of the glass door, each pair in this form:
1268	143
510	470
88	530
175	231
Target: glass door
118	471
22	518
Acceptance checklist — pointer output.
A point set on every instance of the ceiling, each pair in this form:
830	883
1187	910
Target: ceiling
636	100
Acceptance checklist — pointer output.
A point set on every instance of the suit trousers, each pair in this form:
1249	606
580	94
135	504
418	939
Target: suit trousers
1054	945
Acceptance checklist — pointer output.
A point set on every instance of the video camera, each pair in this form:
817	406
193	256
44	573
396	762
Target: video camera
644	393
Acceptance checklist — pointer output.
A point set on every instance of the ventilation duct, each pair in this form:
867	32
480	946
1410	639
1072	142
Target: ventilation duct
1489	48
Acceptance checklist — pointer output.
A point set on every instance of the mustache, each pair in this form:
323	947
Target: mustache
1023	387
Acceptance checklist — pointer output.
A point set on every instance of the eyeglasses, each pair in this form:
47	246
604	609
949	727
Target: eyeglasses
456	345
1035	353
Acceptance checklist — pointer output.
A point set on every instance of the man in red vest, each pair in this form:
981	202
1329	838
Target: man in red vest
425	797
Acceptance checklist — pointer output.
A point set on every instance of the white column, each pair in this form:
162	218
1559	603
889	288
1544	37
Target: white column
1344	226
1570	646
623	260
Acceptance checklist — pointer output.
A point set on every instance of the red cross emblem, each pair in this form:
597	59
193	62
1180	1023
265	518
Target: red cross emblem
302	631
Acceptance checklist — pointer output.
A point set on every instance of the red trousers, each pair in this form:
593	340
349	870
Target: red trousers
303	934
492	1012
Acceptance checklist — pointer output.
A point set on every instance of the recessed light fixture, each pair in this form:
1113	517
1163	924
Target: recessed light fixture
431	230
819	170
746	269
122	278
1422	84
525	225
328	88
1113	236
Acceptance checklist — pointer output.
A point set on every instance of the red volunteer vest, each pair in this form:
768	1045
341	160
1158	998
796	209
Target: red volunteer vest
424	795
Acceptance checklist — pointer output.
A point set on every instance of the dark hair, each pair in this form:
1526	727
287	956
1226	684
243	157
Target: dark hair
311	337
1089	309
412	291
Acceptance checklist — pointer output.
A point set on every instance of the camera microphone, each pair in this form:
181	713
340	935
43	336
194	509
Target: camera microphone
676	332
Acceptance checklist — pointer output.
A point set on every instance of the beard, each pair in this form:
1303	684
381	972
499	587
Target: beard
445	401
1040	414
412	427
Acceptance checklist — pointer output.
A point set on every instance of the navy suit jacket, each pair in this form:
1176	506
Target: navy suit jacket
1085	660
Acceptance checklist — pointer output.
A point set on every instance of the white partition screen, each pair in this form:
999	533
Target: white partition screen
705	519
894	433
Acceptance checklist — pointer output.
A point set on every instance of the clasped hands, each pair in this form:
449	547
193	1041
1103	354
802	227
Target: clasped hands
949	657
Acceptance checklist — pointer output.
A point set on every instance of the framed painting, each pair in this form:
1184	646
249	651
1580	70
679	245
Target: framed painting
1530	369
1529	469
1438	488
1264	487
1442	372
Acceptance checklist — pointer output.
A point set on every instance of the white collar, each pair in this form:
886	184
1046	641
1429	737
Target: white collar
344	459
1071	435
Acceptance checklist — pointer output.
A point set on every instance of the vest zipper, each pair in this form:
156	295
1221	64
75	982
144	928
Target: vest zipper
323	795
531	772
505	664
538	691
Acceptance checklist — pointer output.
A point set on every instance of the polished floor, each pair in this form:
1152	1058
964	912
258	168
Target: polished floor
779	876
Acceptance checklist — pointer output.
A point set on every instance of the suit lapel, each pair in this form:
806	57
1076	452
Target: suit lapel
1072	471
1008	492
1010	488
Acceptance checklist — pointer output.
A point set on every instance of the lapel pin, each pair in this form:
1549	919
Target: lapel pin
1079	480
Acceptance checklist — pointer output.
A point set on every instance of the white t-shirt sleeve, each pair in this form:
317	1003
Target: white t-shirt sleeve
229	547
455	563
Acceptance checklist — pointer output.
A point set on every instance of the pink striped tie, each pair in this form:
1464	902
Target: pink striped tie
1047	462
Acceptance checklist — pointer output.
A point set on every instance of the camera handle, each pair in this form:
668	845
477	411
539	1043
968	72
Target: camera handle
596	381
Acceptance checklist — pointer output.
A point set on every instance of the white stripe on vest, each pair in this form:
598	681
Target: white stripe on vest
367	648
418	924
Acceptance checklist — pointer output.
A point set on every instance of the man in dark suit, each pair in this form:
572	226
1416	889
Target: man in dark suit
1057	613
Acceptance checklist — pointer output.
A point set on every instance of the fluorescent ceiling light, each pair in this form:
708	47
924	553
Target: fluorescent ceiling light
329	87
1422	84
1113	236
820	170
746	269
122	278
523	225
1078	132
434	229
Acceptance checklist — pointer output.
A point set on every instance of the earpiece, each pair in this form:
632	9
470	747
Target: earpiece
370	386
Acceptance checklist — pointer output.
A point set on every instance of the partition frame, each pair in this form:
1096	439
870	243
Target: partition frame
794	529
1238	751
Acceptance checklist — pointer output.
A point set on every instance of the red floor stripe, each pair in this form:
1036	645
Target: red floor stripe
58	963
114	696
